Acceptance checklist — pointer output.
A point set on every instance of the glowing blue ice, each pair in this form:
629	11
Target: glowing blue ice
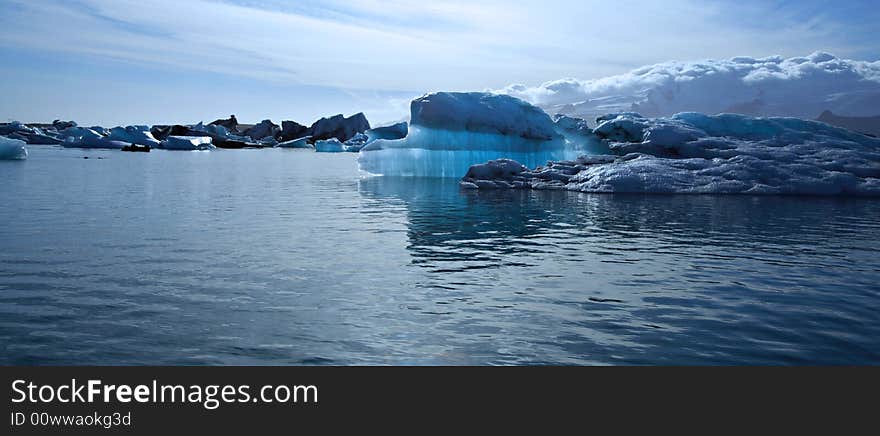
12	149
450	131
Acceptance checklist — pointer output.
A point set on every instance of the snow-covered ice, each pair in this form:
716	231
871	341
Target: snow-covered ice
450	131
139	135
187	143
88	137
30	135
84	137
696	153
12	149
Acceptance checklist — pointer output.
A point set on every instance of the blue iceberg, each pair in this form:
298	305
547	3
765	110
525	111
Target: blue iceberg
12	149
331	145
450	131
297	143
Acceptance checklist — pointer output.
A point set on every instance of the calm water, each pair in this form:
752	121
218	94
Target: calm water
289	257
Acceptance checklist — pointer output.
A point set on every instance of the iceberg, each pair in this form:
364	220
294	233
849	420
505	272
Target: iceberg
139	135
161	132
187	143
263	129
339	127
356	143
12	149
579	134
394	131
268	141
450	131
291	130
331	145
15	127
31	135
83	137
693	153
60	125
297	143
230	123
221	136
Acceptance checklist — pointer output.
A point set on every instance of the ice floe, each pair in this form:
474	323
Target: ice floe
697	153
139	135
339	127
331	145
187	143
297	143
12	149
450	131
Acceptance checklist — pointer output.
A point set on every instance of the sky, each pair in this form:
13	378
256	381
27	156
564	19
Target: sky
114	62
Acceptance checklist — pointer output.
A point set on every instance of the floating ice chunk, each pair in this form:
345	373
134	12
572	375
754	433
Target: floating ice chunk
291	130
626	127
263	129
339	127
230	123
93	142
60	125
356	143
427	152
12	149
268	141
394	131
297	143
139	135
31	135
41	138
187	143
220	135
79	132
578	132
84	137
449	132
482	112
722	154
15	126
494	174
331	145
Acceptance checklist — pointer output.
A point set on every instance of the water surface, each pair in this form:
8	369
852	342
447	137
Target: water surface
290	257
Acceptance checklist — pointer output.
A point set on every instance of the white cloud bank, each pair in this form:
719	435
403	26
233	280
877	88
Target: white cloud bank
798	86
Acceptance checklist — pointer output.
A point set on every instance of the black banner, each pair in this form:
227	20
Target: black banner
198	400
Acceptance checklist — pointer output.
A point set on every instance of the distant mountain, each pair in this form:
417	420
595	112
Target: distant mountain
866	125
774	86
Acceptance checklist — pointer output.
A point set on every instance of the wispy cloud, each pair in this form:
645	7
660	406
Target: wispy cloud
402	45
413	45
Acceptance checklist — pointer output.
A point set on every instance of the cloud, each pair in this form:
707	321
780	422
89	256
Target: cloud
414	45
796	86
380	46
